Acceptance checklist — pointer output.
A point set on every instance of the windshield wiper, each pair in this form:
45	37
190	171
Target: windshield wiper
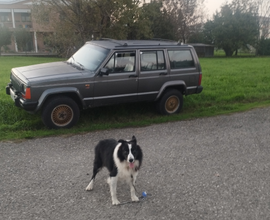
76	64
82	66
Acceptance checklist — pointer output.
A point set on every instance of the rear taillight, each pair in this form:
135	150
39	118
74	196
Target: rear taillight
27	94
200	79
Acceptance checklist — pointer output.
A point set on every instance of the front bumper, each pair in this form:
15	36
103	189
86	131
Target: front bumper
19	100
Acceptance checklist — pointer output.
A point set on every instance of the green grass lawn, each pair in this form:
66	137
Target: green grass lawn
241	53
230	85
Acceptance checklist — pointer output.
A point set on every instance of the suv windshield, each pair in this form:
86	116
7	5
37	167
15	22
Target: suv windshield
89	57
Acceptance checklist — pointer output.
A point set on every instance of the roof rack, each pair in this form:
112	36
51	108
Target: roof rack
168	40
135	43
161	39
114	41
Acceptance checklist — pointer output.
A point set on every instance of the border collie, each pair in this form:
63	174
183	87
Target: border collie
123	159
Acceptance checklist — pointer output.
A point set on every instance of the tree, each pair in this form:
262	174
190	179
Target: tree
186	17
5	37
264	47
263	14
23	39
234	27
196	37
157	16
77	21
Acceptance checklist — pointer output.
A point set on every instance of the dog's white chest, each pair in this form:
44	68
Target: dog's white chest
124	171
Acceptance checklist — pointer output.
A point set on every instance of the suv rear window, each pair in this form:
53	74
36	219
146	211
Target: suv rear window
180	59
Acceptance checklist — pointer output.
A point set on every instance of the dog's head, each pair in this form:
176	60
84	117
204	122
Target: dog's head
130	152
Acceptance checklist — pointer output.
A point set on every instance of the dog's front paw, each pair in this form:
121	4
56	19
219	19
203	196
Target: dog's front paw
115	202
134	198
90	186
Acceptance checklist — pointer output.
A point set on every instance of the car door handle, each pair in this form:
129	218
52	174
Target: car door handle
164	73
132	76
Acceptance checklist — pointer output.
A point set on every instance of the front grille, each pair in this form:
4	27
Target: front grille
16	82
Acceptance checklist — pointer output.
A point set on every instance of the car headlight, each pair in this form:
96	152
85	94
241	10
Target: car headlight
24	88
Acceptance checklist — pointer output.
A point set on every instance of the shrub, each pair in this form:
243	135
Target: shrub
264	47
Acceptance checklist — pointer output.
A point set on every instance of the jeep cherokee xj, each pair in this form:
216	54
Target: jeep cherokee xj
106	72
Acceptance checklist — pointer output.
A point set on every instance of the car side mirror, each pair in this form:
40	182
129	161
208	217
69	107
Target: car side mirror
104	71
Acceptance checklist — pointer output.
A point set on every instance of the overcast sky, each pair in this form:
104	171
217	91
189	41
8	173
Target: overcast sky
213	5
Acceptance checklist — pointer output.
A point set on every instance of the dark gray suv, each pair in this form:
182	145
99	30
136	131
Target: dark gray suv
106	72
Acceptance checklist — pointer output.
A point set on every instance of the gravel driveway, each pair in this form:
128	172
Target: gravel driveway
210	168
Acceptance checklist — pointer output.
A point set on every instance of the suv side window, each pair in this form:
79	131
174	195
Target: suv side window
121	62
180	59
152	60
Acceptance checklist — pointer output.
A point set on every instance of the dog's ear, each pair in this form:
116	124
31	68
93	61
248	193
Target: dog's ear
134	139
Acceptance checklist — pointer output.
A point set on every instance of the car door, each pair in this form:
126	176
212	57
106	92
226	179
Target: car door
153	74
121	83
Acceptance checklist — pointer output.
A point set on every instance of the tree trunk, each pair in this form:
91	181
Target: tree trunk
228	52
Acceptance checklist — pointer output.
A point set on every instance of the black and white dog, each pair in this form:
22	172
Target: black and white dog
123	159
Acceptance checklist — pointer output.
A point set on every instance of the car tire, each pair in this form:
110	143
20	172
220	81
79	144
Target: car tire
170	103
60	112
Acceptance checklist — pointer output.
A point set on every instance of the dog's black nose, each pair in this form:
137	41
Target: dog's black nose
130	160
